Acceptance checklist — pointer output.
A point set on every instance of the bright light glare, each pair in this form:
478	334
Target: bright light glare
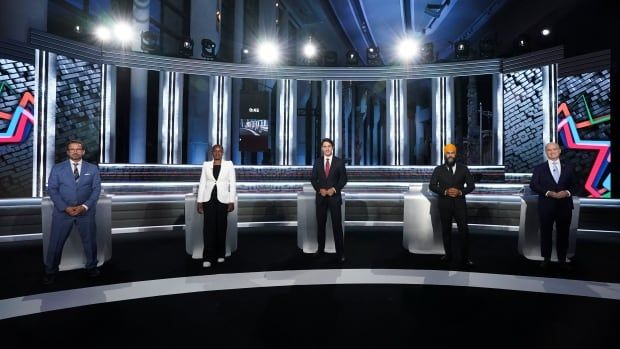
545	32
123	32
268	53
103	33
310	50
408	49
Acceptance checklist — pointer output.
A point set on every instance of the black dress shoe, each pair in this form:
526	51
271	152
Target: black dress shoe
317	253
93	272
341	259
446	258
564	266
545	264
49	279
467	263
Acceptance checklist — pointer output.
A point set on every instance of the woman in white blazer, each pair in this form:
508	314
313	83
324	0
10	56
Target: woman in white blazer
216	197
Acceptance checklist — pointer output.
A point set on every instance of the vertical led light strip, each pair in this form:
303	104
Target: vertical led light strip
44	138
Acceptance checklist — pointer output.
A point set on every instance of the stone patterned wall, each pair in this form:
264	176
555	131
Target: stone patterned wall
78	106
523	120
15	158
583	92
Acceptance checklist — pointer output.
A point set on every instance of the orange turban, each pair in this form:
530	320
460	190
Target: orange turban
449	147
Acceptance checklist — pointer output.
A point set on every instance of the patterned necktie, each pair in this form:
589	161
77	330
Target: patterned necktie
555	172
327	167
76	173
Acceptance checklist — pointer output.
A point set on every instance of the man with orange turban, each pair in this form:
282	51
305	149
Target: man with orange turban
452	182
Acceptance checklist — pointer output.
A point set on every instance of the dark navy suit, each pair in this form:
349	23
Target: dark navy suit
65	191
336	179
550	210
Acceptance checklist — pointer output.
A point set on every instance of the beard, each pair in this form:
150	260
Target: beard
450	161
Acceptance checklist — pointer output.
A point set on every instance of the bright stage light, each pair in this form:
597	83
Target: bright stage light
268	53
310	50
408	49
103	33
123	32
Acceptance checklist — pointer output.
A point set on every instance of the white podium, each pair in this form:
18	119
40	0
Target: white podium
73	253
306	222
421	223
529	232
194	222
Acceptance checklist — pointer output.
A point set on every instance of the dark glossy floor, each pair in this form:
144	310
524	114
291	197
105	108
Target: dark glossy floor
318	316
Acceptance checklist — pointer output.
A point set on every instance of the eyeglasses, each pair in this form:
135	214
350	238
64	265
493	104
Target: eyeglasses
75	149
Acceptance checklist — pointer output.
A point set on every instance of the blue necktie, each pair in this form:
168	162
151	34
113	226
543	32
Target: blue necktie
76	173
555	172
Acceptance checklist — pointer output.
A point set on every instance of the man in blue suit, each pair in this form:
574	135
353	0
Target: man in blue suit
74	186
554	182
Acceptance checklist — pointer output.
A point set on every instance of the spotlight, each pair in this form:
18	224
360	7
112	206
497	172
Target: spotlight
149	42
310	49
208	49
461	49
522	44
427	53
123	32
408	49
486	48
310	52
77	30
245	55
103	34
186	48
353	58
545	32
268	53
372	56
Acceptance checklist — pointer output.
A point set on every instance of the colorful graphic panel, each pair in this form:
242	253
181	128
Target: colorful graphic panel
16	124
584	128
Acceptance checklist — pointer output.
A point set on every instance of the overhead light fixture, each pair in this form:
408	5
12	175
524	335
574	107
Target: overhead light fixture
310	49
373	57
123	32
427	53
208	49
245	55
186	48
545	32
522	44
408	49
352	58
433	10
461	49
103	33
149	42
268	53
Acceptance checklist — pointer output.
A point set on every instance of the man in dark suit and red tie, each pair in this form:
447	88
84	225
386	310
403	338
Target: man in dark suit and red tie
329	176
452	181
554	182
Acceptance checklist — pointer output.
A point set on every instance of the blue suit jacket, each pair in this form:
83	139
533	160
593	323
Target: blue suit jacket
65	191
542	181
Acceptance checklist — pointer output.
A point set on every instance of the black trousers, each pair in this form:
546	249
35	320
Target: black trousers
214	230
561	217
333	205
456	209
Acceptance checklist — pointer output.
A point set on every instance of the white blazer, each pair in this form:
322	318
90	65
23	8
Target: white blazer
226	183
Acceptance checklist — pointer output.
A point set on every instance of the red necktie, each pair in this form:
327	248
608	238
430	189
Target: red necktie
327	167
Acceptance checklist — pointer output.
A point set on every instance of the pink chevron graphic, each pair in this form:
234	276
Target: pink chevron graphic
568	132
20	121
